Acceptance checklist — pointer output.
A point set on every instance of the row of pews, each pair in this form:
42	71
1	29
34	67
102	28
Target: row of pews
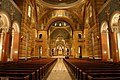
34	69
93	70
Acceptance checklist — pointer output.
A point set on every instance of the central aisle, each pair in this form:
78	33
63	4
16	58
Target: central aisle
59	72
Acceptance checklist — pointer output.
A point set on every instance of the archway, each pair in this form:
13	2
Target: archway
60	49
105	41
15	41
60	45
60	34
115	26
4	27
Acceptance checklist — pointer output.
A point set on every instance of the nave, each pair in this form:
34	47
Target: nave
34	32
59	69
79	29
59	72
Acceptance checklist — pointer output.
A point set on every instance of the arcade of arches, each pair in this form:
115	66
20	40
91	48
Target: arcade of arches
46	28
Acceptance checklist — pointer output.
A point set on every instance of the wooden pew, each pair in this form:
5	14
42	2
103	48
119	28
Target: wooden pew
103	78
85	67
72	67
23	70
38	66
83	72
11	74
101	74
15	78
34	76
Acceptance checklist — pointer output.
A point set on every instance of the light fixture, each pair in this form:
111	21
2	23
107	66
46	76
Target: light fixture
105	52
16	52
59	15
98	37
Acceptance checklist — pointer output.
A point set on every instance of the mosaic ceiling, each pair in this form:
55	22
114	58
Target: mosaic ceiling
60	1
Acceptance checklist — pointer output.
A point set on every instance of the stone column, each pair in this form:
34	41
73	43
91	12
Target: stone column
26	45
114	46
93	54
118	37
115	43
15	47
5	47
109	33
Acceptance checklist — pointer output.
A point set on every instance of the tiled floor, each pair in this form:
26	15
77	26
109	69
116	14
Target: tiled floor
59	72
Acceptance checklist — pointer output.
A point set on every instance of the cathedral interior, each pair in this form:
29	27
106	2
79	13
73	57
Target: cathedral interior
59	29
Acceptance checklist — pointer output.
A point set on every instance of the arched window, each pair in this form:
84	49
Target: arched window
91	13
79	36
29	11
104	27
114	22
40	49
40	36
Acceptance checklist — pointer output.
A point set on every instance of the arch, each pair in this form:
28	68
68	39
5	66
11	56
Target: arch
60	49
15	26
115	26
105	41
56	33
114	14
114	21
79	36
60	18
104	27
40	36
15	41
5	18
5	24
54	27
66	15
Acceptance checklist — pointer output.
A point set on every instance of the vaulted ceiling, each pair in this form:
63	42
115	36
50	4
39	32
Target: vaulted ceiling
70	11
50	12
